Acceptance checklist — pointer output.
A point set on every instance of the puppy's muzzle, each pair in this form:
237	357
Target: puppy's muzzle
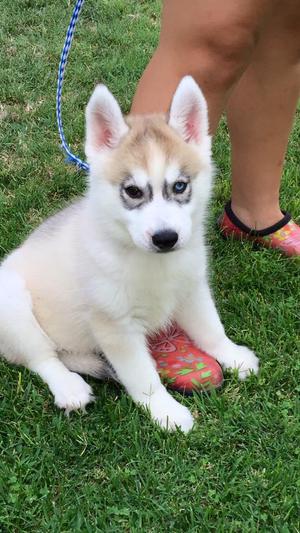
165	240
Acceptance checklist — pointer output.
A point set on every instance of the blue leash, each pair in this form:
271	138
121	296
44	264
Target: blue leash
71	158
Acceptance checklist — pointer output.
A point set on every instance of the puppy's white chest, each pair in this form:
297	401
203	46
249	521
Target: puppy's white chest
153	307
152	298
144	295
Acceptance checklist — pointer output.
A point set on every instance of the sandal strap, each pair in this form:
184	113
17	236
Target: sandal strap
256	233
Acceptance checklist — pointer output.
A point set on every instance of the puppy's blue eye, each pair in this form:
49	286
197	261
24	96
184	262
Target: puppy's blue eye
179	187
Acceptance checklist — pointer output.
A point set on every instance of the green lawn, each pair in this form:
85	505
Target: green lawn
111	469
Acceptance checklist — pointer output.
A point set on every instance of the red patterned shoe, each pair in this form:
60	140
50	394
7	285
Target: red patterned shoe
181	364
283	236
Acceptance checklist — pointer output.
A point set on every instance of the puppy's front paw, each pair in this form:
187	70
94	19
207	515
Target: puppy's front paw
71	392
170	414
240	358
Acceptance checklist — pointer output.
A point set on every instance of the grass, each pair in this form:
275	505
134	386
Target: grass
111	469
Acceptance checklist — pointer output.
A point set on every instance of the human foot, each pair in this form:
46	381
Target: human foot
283	236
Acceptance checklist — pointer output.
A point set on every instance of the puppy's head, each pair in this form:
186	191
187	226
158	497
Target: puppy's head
150	175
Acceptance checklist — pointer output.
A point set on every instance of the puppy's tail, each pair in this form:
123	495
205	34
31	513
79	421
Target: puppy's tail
92	364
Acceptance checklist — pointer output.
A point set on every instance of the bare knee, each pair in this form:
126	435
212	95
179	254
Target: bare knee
215	47
226	53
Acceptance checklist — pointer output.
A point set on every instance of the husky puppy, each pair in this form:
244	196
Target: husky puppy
123	261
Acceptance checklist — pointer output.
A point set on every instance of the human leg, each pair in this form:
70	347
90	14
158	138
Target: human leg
211	40
260	114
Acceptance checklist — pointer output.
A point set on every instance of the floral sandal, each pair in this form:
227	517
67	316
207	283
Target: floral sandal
283	236
181	365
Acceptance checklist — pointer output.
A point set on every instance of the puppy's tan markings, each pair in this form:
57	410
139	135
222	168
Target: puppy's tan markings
150	136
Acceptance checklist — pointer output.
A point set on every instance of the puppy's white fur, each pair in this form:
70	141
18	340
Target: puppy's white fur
90	278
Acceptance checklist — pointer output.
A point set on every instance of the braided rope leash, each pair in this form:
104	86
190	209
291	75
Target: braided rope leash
60	80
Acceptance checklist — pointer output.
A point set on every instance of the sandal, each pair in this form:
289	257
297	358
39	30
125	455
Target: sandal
181	365
283	236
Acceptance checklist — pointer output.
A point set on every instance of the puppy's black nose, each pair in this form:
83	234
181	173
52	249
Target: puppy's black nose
165	240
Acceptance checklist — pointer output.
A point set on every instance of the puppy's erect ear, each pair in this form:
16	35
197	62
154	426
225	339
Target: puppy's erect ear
188	111
104	122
